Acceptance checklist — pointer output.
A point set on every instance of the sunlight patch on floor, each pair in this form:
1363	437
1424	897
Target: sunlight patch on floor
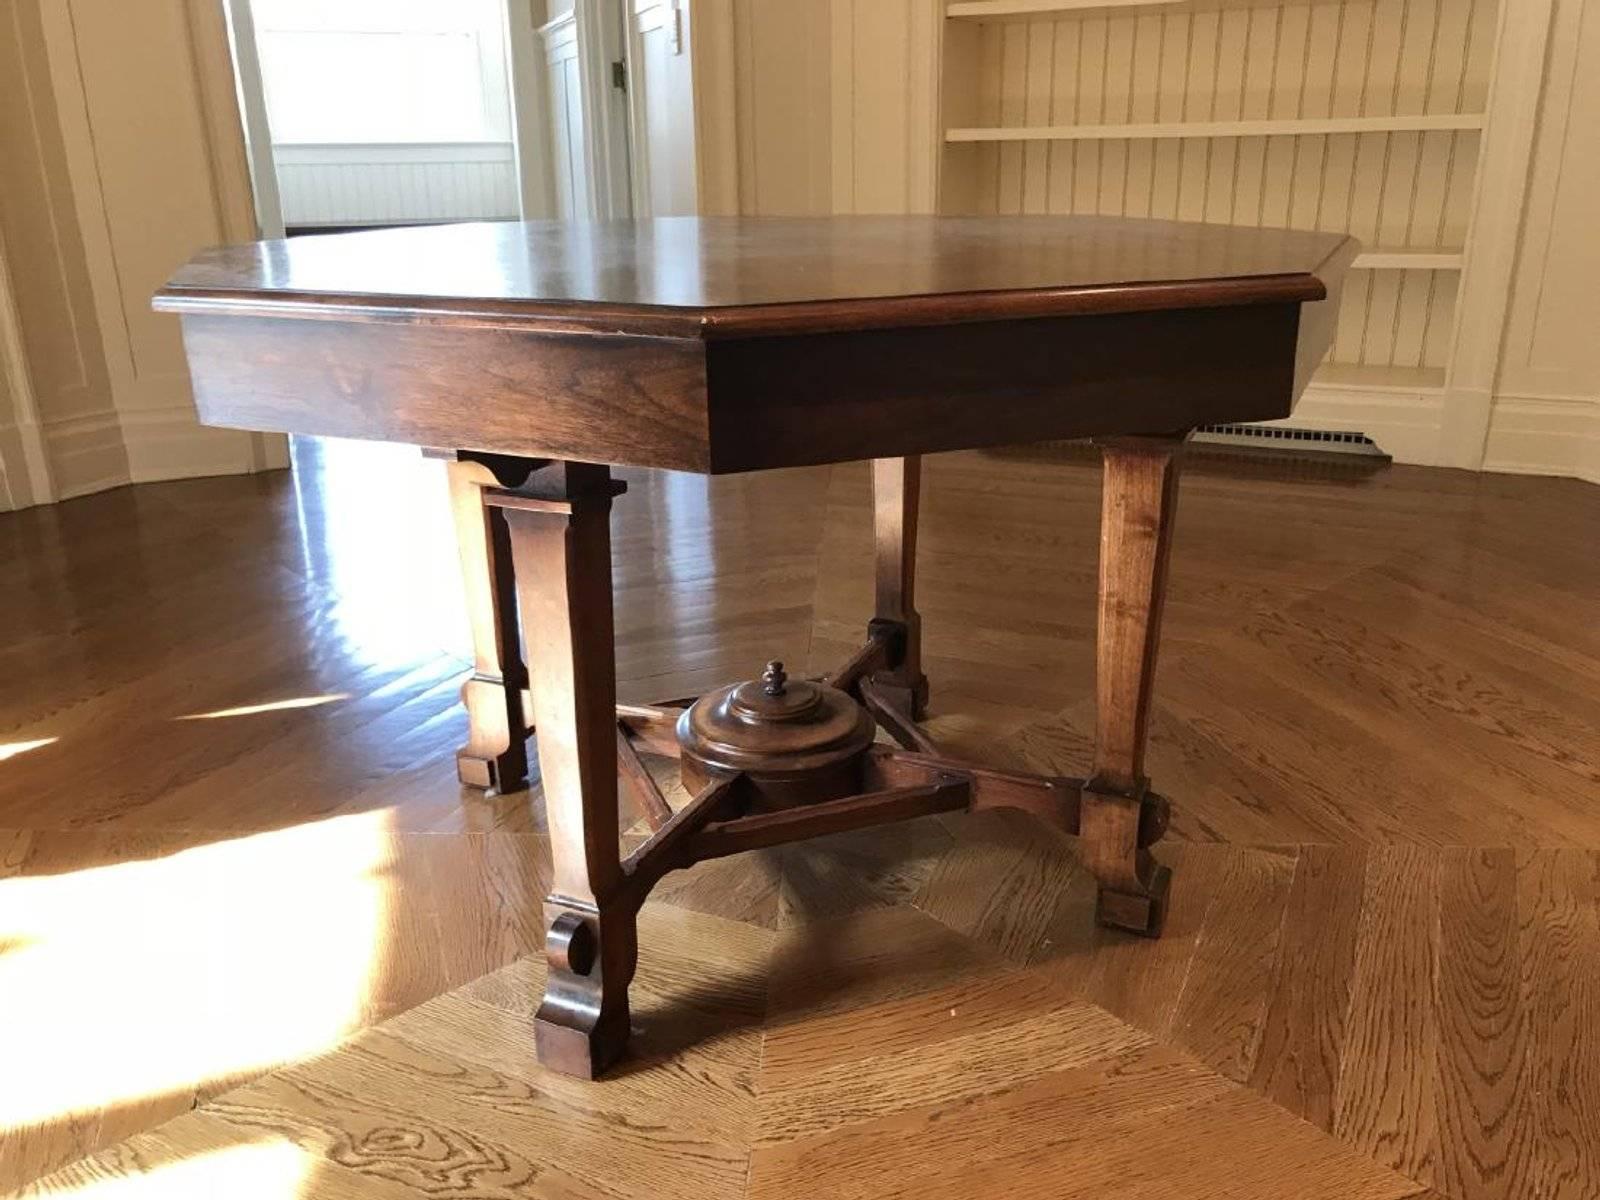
375	521
245	710
147	978
12	749
257	1171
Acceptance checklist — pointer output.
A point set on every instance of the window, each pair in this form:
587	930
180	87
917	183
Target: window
384	71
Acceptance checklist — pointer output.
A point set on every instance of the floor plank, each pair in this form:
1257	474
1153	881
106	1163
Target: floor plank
1384	1102
1485	1147
1304	1038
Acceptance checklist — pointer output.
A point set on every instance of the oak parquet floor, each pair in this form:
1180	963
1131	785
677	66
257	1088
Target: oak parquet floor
279	952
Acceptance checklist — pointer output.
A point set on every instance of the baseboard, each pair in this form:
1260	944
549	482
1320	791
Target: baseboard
86	453
25	478
96	451
169	443
1545	435
1405	425
1528	434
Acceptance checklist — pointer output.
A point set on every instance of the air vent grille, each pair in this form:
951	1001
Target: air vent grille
1281	438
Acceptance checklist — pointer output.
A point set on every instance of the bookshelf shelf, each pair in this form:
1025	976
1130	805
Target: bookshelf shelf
1402	259
973	11
1296	127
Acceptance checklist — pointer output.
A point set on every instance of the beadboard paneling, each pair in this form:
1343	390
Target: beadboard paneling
1338	58
1284	65
366	184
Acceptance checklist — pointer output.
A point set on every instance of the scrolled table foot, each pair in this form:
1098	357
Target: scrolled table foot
581	1027
495	757
1138	912
1116	829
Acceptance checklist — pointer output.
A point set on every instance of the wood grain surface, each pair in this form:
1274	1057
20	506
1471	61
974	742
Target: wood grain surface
246	845
726	344
709	277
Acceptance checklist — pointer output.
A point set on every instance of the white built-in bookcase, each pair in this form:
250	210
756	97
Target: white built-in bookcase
1359	116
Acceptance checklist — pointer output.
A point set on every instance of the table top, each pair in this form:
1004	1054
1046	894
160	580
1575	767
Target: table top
733	276
733	344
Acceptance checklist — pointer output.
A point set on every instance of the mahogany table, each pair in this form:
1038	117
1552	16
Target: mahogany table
535	355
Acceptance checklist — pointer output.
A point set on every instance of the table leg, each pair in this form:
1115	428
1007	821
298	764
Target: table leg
496	754
896	492
1119	815
559	526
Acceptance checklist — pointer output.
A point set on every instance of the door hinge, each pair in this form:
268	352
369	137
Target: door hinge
619	75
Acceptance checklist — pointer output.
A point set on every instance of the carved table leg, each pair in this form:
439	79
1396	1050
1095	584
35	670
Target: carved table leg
560	537
896	491
1119	816
496	754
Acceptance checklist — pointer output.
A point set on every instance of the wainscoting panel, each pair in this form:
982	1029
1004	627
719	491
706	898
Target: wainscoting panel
379	184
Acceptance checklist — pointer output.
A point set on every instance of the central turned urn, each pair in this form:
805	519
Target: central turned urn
796	741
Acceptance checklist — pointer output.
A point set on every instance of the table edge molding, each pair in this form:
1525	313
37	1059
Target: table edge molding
746	321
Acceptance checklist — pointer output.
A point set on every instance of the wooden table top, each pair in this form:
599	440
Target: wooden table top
726	276
728	344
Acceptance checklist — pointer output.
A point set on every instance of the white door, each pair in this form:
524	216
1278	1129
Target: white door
660	109
603	54
563	76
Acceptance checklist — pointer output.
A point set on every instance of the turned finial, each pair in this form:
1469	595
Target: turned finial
773	678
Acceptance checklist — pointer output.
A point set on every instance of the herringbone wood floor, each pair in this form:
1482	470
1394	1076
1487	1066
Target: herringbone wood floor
1378	719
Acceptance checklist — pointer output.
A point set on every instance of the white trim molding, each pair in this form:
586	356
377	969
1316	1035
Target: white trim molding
88	452
25	475
1528	434
1405	425
1545	435
1490	255
530	124
168	443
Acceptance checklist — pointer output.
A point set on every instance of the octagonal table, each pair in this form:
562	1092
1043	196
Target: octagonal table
536	355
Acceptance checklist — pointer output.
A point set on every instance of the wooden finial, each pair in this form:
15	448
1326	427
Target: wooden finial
773	679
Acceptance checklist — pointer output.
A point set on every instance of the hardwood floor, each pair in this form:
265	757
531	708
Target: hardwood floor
1377	715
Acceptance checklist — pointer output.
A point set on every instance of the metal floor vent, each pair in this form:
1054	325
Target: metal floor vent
1279	438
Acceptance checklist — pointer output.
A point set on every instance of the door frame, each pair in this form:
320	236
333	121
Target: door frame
252	95
603	40
529	86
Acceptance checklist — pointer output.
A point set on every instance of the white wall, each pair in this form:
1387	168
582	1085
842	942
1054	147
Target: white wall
120	138
817	107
